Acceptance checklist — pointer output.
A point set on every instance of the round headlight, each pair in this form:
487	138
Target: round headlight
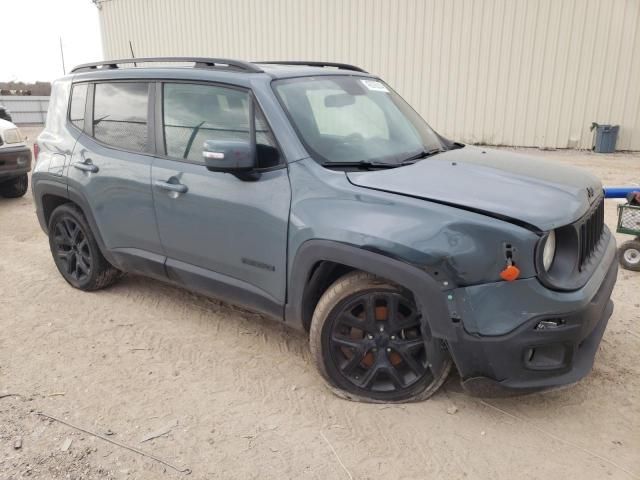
549	252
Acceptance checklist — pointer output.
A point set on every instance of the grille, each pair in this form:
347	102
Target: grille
590	233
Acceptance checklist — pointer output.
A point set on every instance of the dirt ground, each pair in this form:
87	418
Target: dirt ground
231	395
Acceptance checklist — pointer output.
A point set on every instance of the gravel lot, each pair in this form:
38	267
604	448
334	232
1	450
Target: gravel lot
229	394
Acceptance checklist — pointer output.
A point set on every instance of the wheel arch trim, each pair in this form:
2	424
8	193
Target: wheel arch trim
42	188
427	292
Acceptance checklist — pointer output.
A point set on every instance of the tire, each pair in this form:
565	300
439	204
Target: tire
629	255
366	353
75	251
16	187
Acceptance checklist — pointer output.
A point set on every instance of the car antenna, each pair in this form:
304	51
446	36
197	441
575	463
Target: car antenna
132	55
64	72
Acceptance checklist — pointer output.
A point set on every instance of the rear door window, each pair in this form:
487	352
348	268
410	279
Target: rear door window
120	115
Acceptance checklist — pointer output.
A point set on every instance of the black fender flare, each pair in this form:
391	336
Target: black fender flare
428	293
41	187
46	186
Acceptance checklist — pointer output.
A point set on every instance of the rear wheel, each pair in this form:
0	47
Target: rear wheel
629	255
366	338
76	252
16	187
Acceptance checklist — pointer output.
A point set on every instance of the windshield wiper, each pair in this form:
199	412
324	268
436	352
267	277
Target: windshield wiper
361	164
421	155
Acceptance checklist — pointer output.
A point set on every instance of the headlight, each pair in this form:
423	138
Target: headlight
549	252
12	135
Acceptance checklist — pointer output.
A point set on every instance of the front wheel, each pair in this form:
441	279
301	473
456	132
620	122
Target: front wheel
16	187
367	341
629	255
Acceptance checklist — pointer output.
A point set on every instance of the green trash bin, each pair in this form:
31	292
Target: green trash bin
604	137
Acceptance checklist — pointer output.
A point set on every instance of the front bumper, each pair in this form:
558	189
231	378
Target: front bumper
528	358
14	161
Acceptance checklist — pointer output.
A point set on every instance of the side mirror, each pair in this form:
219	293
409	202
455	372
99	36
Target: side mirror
228	155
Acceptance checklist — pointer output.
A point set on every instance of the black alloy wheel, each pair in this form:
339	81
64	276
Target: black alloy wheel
72	248
75	250
376	342
367	338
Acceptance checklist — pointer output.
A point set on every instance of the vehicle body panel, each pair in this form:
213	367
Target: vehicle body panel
57	139
225	225
498	182
467	247
119	194
497	308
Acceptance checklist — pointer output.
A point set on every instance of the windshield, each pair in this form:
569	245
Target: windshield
355	120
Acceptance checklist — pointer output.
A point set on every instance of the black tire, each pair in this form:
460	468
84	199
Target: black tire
75	251
629	255
362	361
16	187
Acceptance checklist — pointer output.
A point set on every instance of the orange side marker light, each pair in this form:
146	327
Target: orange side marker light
510	273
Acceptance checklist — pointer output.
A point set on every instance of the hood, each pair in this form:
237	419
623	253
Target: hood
6	125
521	189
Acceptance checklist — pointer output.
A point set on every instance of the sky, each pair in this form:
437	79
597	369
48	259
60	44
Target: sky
30	31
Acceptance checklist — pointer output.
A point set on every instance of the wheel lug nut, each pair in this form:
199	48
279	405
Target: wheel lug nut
382	329
388	350
370	337
393	337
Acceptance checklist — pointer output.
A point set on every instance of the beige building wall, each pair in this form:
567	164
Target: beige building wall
503	72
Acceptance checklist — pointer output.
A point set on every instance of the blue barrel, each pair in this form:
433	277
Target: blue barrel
619	192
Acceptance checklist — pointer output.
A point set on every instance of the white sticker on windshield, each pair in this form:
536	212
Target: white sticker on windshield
375	85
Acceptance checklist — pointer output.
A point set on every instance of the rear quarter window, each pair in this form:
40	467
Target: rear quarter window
78	102
120	115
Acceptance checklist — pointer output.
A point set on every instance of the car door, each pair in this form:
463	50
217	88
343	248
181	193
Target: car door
224	235
110	173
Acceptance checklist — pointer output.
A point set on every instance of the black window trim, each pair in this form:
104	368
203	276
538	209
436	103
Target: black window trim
150	152
159	120
88	111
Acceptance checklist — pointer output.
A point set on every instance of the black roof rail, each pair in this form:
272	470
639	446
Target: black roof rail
199	62
341	66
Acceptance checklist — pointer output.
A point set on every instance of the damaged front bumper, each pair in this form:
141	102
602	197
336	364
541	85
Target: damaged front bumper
554	341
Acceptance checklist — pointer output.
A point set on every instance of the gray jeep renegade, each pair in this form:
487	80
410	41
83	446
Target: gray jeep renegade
312	193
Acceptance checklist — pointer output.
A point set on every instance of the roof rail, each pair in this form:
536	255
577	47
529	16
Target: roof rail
199	62
341	66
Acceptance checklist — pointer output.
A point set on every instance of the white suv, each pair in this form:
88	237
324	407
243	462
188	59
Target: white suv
15	161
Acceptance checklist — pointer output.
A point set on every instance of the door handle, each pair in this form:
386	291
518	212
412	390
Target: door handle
172	187
86	166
